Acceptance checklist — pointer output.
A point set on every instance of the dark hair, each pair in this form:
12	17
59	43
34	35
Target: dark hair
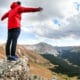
18	2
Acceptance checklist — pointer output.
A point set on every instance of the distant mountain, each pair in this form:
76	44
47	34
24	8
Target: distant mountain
43	48
65	57
70	54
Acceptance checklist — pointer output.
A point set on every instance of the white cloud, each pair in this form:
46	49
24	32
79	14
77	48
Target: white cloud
42	22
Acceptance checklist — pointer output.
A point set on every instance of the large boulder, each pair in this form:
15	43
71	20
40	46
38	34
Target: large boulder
18	70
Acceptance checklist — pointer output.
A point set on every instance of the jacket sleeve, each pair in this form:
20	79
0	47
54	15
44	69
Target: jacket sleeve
24	9
4	16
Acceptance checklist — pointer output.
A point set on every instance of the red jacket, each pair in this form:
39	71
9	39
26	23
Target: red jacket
14	15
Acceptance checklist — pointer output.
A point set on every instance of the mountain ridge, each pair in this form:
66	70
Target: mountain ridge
43	48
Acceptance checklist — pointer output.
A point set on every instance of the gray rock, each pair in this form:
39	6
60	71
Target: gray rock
17	70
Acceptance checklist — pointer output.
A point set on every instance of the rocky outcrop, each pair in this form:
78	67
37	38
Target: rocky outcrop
18	70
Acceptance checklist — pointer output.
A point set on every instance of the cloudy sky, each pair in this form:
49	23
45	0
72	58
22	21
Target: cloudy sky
58	24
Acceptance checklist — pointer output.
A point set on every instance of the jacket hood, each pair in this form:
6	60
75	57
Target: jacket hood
13	5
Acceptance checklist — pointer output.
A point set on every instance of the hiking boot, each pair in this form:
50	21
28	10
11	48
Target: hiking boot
15	56
12	58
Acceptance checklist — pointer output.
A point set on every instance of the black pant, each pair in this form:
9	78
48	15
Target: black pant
13	35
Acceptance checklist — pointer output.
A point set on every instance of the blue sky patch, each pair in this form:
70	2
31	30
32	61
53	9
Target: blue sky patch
57	22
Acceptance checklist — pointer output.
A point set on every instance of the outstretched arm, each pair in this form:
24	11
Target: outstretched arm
23	9
4	16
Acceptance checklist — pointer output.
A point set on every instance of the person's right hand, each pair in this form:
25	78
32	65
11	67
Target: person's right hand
40	9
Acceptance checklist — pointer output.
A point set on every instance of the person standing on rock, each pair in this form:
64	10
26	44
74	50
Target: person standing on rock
14	27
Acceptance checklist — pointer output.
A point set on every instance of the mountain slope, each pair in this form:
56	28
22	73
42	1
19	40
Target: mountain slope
35	61
62	66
